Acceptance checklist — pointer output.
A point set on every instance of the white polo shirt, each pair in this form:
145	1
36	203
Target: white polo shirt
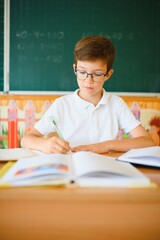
80	122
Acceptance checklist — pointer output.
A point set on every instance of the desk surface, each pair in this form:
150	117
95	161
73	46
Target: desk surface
58	213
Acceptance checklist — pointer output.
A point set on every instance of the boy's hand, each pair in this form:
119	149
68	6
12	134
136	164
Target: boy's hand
97	148
54	145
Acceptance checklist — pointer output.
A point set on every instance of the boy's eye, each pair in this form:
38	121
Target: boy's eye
83	72
98	74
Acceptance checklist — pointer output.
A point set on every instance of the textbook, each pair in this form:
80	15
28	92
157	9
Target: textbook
144	156
12	154
83	169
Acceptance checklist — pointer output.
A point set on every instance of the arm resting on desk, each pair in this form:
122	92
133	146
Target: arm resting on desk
140	138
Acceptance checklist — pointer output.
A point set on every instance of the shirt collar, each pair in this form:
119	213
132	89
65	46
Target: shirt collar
82	104
105	98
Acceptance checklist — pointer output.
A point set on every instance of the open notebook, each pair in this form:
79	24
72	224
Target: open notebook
84	169
12	154
144	156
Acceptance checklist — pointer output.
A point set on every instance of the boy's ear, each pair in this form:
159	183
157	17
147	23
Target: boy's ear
109	74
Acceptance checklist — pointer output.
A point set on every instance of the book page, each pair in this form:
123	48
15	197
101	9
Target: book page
87	162
145	156
15	153
38	170
95	170
152	152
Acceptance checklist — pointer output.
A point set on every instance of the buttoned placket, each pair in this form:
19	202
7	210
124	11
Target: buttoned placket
93	123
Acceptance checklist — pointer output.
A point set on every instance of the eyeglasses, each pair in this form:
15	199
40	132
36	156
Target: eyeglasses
83	75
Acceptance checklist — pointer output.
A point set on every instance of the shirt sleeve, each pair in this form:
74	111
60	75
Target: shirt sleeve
45	125
127	120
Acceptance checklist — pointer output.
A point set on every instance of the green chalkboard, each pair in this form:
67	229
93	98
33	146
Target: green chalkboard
1	42
43	34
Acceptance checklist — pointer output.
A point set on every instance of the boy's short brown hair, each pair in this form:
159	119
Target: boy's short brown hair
92	48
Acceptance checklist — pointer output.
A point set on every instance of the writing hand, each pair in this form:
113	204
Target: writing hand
55	145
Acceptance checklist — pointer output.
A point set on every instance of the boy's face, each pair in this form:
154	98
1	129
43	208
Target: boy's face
93	84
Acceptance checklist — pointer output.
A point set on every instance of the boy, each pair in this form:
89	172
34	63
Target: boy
89	118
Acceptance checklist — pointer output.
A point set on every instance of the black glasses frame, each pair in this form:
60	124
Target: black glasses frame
91	74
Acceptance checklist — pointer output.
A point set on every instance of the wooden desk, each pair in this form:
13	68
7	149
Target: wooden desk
83	214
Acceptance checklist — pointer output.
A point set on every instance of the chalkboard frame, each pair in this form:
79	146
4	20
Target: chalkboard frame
133	44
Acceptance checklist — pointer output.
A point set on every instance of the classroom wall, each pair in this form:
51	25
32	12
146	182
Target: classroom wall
42	39
18	113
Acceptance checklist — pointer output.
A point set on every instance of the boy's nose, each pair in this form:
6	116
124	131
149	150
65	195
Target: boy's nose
89	79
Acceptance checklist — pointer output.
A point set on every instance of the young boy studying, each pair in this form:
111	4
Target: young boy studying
89	118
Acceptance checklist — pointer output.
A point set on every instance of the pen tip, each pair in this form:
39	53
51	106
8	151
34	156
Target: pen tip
52	119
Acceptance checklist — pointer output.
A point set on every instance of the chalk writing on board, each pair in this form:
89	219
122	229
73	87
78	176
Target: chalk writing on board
47	46
39	34
47	58
115	35
42	46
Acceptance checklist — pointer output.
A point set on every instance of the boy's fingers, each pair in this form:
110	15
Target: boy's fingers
63	144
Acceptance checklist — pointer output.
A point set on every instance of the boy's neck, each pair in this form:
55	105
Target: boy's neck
91	99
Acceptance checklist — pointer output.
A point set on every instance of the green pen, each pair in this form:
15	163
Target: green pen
56	127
